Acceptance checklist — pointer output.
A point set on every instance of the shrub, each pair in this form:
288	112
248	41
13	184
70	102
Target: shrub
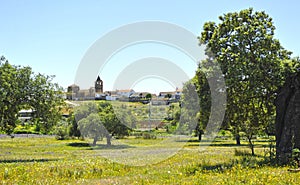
148	135
25	130
61	133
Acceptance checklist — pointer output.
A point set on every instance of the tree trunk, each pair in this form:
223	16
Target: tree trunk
252	150
200	136
108	139
238	139
251	145
288	119
95	141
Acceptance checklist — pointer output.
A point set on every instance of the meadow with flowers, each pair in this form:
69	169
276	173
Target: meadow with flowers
45	160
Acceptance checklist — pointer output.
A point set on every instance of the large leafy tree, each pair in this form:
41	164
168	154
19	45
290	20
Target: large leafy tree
9	95
251	58
46	98
20	88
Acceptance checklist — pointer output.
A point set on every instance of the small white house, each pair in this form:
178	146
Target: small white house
111	97
125	93
25	115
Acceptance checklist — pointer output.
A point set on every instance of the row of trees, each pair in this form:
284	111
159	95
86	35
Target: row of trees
254	65
21	88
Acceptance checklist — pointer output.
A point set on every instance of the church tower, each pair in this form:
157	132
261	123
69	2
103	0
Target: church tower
99	85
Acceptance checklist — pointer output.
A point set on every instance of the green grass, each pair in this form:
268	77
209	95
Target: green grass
48	161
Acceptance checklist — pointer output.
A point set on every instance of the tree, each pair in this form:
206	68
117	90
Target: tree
91	126
73	127
10	96
204	94
20	89
250	58
84	110
148	96
112	122
126	117
168	95
209	84
189	109
98	121
46	98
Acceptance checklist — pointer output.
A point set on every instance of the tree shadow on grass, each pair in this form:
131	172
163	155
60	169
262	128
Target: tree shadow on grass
207	142
106	147
223	144
213	143
25	160
79	144
99	146
195	141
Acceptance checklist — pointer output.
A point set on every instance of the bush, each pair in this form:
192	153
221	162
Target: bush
25	130
61	131
148	135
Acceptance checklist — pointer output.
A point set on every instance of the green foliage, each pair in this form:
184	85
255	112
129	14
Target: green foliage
189	109
296	156
73	127
296	152
168	96
61	130
26	129
148	96
84	110
254	65
91	126
111	121
127	116
98	121
204	93
20	88
47	101
204	96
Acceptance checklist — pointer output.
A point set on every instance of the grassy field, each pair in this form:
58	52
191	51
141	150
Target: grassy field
45	160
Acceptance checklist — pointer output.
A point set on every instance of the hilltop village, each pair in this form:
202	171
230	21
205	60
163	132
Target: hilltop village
96	93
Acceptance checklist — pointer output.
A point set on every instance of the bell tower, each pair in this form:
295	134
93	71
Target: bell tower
99	85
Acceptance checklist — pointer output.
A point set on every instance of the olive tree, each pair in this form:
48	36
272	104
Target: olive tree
98	121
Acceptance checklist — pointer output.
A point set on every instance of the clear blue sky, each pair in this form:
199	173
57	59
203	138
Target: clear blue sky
53	36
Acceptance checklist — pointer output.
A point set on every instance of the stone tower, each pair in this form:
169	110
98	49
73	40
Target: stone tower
99	85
